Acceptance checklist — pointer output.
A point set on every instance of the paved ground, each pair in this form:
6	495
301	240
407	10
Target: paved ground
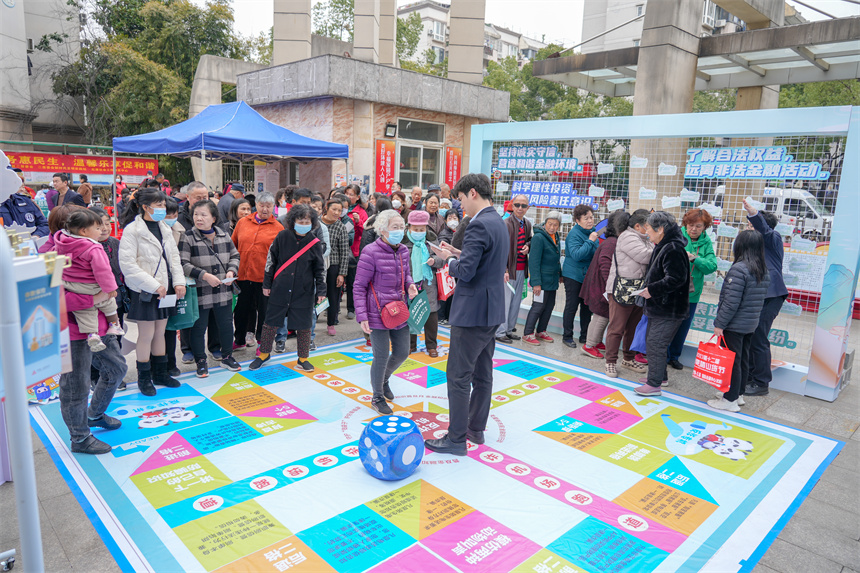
823	537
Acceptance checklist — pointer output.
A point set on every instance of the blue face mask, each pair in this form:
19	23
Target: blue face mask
442	212
394	237
302	229
170	222
418	237
159	213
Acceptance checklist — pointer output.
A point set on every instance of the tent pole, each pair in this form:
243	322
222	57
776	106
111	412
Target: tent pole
203	161
347	170
114	189
241	179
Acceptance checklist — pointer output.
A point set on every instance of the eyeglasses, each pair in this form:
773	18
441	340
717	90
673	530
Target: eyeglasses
521	205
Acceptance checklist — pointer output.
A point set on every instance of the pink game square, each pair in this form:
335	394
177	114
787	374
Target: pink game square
610	419
478	543
584	389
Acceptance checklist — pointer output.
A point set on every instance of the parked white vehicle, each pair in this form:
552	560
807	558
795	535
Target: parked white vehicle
795	207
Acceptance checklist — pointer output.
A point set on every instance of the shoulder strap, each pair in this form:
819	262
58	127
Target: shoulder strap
296	256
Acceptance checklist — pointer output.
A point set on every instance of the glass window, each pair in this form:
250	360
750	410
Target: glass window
640	9
420	131
794	208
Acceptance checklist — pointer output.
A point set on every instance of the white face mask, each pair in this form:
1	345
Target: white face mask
396	204
452	224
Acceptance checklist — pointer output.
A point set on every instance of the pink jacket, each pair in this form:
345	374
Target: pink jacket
90	263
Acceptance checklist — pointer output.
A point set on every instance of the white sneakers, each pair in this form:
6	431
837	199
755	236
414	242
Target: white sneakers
723	404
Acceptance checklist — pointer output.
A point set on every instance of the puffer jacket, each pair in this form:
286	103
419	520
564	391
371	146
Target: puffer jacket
387	268
578	252
89	262
594	285
704	264
544	260
633	253
668	278
741	300
140	253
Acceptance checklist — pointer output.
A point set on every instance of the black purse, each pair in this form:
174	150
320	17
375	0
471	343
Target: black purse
623	289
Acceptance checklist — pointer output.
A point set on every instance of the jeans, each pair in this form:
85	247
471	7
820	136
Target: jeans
512	304
759	368
572	300
333	293
622	324
75	385
739	344
281	336
223	316
660	333
470	379
384	364
677	345
540	313
250	313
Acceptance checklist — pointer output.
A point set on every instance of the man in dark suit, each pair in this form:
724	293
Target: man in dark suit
475	314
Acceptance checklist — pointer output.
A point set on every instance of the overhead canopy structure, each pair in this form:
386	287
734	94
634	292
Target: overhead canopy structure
230	131
810	52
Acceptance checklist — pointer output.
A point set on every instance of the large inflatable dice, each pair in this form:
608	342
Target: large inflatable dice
391	447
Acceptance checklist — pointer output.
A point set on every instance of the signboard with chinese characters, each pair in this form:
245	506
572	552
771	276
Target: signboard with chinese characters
385	165
453	161
703	321
749	163
539	158
39	167
551	194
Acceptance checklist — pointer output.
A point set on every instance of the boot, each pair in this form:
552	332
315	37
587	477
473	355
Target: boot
144	379
160	376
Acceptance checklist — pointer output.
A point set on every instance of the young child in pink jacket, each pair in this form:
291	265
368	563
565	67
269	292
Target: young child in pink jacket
90	274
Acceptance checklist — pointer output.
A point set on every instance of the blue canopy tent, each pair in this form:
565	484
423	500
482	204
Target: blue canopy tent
230	131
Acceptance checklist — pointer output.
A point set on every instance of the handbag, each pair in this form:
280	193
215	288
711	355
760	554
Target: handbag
445	283
714	364
623	289
187	311
395	313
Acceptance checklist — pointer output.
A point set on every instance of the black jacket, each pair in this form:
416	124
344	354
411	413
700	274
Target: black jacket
741	300
297	285
668	278
773	254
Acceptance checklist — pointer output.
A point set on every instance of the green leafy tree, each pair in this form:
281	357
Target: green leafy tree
117	17
408	34
334	19
839	92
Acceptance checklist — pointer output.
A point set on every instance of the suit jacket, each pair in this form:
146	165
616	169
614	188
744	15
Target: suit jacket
480	272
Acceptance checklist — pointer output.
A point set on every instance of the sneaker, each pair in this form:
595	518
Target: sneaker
530	339
95	343
382	407
115	329
238	346
634	366
105	422
258	362
280	346
569	343
202	368
609	367
741	401
250	339
122	386
675	364
331	331
304	366
313	346
230	364
350	315
601	347
513	336
641	358
593	352
646	390
91	445
723	404
664	383
187	358
217	355
174	371
545	337
583	340
756	389
386	391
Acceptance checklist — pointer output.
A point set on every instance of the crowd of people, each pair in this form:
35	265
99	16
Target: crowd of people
251	269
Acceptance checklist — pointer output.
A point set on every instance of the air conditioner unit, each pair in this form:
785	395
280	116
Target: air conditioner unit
719	23
429	31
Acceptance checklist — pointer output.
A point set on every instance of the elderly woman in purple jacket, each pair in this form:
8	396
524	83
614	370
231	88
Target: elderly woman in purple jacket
383	276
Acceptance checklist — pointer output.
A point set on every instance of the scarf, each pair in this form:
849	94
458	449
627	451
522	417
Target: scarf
420	254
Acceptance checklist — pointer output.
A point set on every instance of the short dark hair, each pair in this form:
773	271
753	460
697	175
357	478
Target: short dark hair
639	217
300	212
213	210
234	209
302	193
159	175
315	198
383	204
171	206
770	219
84	179
355	189
63	177
98	211
82	219
617	223
477	181
581	210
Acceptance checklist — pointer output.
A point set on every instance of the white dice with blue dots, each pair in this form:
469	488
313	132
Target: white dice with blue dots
391	447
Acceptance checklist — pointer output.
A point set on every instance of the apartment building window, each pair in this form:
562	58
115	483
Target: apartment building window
439	55
635	43
640	9
439	31
709	14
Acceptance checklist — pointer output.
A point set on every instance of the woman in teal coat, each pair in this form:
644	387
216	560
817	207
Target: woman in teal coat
579	247
544	269
703	261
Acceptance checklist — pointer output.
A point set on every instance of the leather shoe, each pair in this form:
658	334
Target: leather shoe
504	339
475	436
446	446
433	353
513	336
756	390
676	364
569	343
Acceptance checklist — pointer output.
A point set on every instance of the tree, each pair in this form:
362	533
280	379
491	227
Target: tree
840	92
334	19
409	31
